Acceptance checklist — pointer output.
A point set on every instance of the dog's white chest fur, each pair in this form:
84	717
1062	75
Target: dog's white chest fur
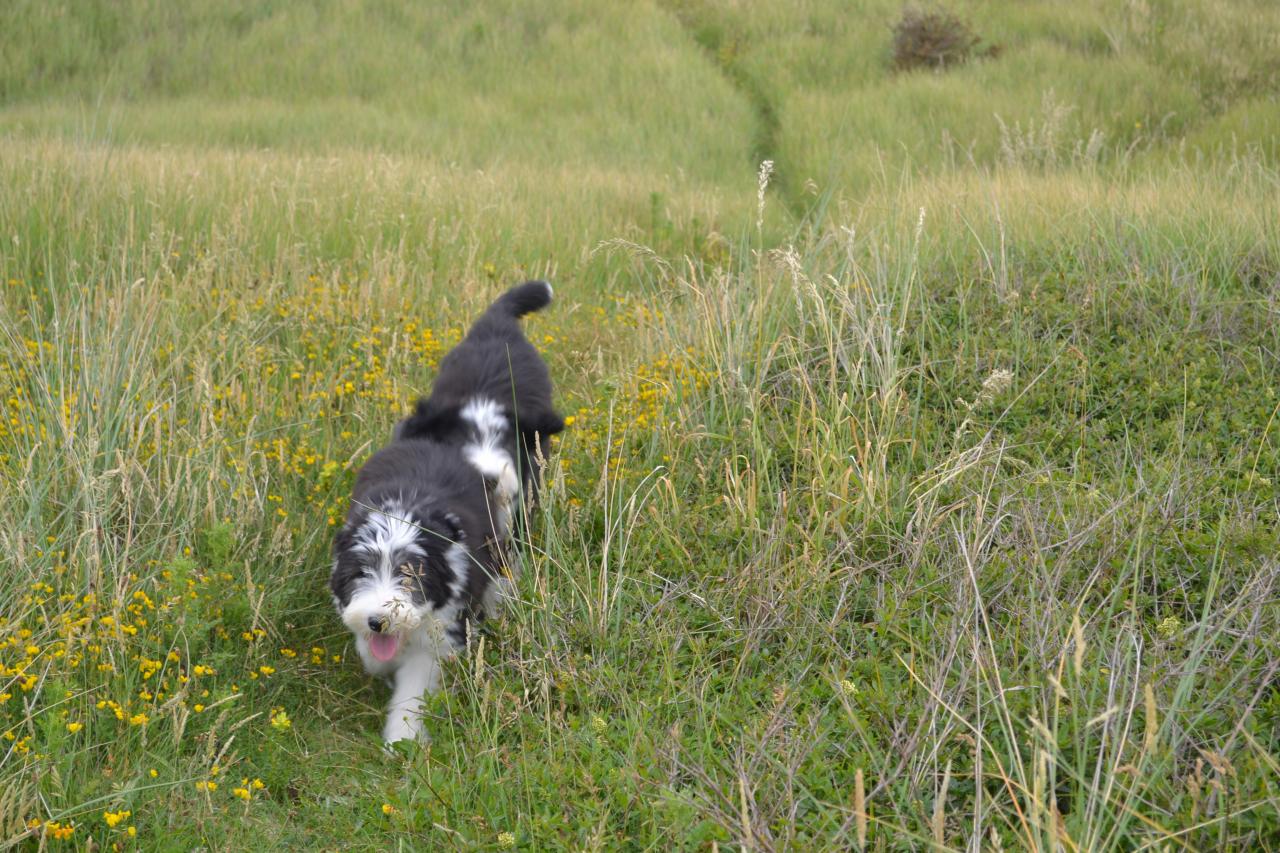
413	672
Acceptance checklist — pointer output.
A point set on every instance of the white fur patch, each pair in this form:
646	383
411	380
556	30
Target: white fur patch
388	529
489	455
459	559
419	673
387	535
494	464
486	416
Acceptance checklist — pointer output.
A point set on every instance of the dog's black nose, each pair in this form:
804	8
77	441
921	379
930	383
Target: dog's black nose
375	624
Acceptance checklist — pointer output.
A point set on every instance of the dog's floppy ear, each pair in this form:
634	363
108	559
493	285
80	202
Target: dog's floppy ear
344	539
346	566
440	529
456	531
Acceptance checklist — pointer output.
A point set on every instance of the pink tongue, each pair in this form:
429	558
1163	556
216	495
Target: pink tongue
383	646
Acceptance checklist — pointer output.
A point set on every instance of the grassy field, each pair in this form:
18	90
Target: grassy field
920	492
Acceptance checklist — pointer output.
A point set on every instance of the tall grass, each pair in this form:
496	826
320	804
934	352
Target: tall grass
966	493
1133	77
565	85
1083	679
928	505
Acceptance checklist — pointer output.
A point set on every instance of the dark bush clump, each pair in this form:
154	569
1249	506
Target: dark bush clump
934	39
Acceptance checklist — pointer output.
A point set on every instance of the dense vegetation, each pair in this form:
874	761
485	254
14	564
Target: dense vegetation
921	485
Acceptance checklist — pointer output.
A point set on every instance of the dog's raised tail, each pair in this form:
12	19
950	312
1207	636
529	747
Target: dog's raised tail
523	299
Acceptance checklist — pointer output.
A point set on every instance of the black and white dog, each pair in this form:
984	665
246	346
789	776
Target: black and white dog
423	552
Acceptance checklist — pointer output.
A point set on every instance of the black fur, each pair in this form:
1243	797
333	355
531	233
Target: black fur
425	472
443	496
494	360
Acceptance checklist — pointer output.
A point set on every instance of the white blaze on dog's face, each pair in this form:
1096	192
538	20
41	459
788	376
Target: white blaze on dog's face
395	573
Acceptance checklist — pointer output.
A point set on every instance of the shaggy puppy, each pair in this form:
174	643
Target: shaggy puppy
423	550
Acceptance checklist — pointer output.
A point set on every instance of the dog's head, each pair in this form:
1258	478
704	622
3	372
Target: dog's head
394	567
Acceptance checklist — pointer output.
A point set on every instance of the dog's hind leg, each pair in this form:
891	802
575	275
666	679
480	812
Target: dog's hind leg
418	674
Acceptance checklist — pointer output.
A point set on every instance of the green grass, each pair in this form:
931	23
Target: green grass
932	505
1137	76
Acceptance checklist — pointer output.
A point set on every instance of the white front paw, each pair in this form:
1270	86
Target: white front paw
402	726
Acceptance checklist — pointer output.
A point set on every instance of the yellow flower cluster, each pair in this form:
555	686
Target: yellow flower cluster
52	828
278	401
20	414
80	637
612	433
245	790
114	655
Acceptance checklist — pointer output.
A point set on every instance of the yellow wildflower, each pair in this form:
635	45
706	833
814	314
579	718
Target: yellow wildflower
58	831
